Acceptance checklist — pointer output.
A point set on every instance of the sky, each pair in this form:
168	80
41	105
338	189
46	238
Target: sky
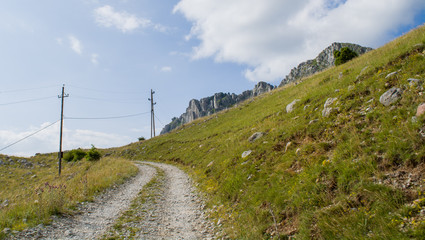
109	54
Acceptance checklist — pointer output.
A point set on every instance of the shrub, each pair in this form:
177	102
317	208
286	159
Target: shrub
142	138
344	55
74	155
93	154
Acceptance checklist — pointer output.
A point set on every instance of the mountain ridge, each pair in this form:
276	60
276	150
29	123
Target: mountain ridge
212	104
324	60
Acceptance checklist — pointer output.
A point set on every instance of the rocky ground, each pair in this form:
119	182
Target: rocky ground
171	210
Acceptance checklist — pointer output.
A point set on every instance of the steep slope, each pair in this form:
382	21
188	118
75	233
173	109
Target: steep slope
345	159
217	102
323	61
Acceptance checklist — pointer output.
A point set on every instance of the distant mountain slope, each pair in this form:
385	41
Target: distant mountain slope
217	102
324	60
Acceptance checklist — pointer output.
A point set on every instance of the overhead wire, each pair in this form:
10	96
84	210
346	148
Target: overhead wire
103	91
105	118
25	101
159	120
107	100
27	89
69	118
32	134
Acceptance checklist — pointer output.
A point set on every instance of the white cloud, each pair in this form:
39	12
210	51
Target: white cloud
75	44
94	58
166	69
106	16
272	36
48	140
59	41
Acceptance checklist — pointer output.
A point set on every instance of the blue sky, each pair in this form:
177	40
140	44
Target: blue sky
109	54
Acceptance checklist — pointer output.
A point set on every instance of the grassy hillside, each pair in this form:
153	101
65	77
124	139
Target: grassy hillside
357	173
31	191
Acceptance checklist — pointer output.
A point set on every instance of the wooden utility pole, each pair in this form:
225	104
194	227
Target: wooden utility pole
60	154
152	113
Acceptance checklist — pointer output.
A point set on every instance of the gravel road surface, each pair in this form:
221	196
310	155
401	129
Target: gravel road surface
176	213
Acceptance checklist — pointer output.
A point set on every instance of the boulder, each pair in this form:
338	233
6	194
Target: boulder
287	146
390	75
390	96
290	107
246	153
421	110
329	102
327	110
414	82
256	136
364	70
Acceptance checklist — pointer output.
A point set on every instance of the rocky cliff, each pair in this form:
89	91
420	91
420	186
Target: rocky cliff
217	102
324	60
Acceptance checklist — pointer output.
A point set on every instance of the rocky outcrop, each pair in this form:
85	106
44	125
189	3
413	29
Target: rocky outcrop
217	102
324	60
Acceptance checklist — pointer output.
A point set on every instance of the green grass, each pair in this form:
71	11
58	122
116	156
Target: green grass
336	178
34	194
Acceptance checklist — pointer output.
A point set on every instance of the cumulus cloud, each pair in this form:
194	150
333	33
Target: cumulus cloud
94	59
75	44
106	16
48	140
272	36
59	41
166	69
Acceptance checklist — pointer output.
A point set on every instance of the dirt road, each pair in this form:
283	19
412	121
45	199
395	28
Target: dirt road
174	211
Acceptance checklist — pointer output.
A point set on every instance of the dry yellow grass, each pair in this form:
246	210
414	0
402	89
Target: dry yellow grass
32	195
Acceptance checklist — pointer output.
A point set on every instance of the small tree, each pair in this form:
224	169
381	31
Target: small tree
344	55
74	155
93	154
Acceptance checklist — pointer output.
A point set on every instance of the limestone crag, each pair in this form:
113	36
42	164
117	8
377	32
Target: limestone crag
324	60
217	102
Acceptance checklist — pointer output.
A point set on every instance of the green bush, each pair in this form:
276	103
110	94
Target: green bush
74	155
93	154
344	55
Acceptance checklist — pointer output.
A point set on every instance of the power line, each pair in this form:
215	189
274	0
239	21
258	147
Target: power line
27	89
103	91
159	120
104	118
25	101
32	134
107	100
